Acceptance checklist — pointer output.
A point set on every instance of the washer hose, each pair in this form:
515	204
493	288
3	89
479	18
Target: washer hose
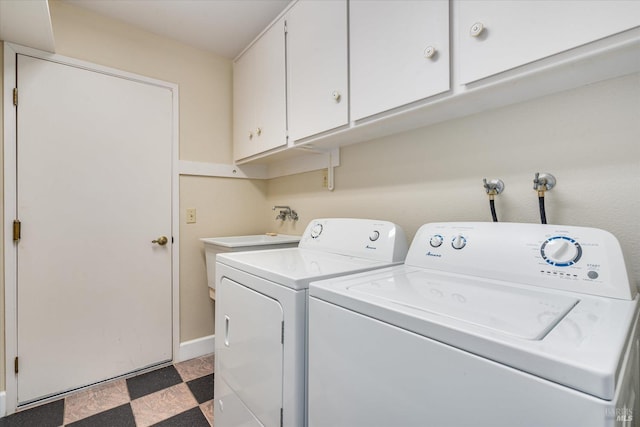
492	205
543	214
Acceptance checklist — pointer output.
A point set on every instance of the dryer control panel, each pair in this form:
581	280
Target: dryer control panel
577	259
362	238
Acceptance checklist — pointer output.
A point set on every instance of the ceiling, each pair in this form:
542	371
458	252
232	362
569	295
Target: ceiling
224	27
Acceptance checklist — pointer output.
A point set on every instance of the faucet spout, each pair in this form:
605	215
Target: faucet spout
285	208
286	212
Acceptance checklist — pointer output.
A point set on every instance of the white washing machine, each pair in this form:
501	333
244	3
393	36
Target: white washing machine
261	316
486	324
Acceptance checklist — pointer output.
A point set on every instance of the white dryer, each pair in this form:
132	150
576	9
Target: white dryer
261	316
487	324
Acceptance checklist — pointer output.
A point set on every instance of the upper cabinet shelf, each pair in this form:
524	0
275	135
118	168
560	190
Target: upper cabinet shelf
411	64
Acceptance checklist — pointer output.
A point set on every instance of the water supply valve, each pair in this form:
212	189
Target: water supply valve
543	182
493	188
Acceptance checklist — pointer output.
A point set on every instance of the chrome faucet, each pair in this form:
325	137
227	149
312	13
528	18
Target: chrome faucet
286	213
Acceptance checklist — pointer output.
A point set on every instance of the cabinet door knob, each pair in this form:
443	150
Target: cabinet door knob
336	96
429	52
259	131
476	29
250	135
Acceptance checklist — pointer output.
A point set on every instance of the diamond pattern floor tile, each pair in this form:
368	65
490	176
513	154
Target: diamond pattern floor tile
121	416
162	405
195	368
191	418
202	388
153	381
95	400
176	396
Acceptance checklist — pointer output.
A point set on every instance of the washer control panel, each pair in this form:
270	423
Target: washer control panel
577	259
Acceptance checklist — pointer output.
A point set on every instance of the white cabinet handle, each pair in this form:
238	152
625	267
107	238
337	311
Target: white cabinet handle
476	29
429	52
259	131
336	96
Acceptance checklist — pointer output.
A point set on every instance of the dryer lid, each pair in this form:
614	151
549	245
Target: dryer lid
523	313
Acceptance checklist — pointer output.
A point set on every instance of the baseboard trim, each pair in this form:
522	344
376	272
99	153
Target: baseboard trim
3	404
196	348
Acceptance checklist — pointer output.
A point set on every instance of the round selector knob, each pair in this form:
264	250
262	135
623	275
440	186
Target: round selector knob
375	235
561	251
436	240
458	242
316	230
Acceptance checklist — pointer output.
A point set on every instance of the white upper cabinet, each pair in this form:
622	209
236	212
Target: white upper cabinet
27	23
399	53
496	35
259	95
317	61
361	69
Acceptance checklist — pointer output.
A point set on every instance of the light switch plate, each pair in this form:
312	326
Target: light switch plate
191	216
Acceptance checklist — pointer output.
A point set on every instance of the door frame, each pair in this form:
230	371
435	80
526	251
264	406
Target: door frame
10	257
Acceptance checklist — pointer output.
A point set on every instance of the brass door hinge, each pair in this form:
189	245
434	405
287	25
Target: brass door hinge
15	96
15	365
17	228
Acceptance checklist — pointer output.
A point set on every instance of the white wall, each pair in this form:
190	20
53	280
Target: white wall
589	138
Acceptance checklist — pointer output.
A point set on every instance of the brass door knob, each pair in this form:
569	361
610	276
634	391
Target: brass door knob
162	240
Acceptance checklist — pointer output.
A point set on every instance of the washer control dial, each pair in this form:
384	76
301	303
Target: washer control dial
561	251
459	242
375	234
436	240
316	230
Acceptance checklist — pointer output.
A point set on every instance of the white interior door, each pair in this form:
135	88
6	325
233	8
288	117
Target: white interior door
93	190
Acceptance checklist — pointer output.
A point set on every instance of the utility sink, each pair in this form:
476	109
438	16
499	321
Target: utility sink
255	242
251	240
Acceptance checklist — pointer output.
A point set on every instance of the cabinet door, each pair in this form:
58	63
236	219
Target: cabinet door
270	91
244	114
317	62
518	32
260	122
390	62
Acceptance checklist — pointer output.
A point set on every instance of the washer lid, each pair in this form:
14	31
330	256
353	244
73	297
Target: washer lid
572	339
296	267
523	313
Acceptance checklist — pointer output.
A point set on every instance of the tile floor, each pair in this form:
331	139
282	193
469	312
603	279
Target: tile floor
174	396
